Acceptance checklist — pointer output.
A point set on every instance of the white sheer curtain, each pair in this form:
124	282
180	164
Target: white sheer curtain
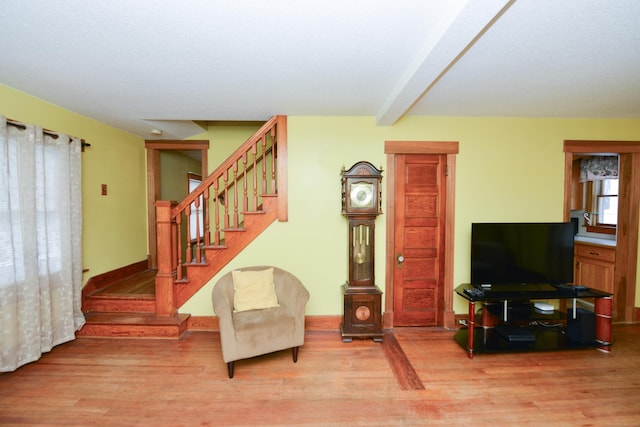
40	242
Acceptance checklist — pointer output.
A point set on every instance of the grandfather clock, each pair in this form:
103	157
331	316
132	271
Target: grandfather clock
361	204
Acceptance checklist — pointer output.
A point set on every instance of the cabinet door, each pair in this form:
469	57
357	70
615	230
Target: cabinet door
594	274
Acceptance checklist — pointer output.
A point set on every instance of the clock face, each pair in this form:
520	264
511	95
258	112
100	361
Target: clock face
361	195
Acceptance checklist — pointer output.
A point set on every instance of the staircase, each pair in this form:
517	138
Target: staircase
196	238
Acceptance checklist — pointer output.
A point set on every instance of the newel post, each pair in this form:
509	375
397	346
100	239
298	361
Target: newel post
282	159
165	295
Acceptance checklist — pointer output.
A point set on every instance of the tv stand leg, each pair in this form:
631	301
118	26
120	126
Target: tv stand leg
471	333
604	313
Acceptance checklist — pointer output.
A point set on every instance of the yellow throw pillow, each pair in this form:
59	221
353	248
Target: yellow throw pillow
254	290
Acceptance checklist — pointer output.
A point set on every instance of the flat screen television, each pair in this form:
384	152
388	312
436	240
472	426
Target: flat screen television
521	253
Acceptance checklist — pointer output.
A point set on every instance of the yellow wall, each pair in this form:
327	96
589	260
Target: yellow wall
224	138
508	169
174	169
114	226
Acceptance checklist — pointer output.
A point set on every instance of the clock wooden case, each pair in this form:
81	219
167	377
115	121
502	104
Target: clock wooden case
361	204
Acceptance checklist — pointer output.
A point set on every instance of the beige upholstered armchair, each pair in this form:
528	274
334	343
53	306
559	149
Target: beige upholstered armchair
247	331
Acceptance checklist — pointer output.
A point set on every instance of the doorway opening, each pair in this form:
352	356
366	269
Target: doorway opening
628	201
198	148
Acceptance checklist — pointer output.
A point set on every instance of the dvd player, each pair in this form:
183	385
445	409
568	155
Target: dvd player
515	334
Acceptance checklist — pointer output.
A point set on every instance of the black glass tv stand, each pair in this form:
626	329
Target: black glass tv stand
508	320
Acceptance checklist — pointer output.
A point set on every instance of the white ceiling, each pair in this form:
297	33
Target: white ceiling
164	64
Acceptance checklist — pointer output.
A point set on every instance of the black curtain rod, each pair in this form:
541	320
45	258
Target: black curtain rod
51	133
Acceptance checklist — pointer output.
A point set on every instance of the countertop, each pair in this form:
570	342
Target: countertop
595	241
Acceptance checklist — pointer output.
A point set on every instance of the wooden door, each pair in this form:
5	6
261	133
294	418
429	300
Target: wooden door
419	211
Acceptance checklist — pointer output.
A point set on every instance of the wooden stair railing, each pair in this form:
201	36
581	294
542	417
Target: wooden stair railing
244	195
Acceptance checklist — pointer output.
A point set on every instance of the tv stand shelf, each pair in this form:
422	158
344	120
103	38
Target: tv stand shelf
512	306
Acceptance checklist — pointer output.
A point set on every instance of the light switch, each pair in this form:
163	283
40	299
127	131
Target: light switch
104	189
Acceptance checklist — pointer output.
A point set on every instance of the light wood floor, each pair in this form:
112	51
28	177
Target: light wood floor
138	382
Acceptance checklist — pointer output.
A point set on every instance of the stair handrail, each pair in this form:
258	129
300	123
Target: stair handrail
224	166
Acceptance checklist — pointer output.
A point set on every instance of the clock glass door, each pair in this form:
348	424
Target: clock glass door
361	253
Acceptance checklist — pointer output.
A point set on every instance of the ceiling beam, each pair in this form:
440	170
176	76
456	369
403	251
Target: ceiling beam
459	29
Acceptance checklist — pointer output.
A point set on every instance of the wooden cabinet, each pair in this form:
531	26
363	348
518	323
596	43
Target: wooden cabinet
577	187
595	266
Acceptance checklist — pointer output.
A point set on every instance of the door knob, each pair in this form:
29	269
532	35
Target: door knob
400	259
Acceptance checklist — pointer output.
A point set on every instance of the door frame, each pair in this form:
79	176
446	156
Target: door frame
629	203
392	149
153	182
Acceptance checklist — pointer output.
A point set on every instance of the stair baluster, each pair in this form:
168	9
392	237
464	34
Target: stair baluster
245	199
264	164
274	187
235	195
216	214
198	242
254	151
205	213
178	241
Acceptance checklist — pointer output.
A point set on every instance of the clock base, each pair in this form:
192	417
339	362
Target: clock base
347	337
362	314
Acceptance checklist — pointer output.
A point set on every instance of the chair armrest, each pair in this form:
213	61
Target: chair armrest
292	295
222	300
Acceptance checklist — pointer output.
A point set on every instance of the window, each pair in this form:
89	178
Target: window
34	217
601	207
607	202
196	218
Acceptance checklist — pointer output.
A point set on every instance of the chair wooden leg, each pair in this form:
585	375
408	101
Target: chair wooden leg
230	369
295	354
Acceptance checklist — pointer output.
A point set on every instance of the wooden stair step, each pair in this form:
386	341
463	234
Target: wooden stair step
120	303
133	325
129	283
